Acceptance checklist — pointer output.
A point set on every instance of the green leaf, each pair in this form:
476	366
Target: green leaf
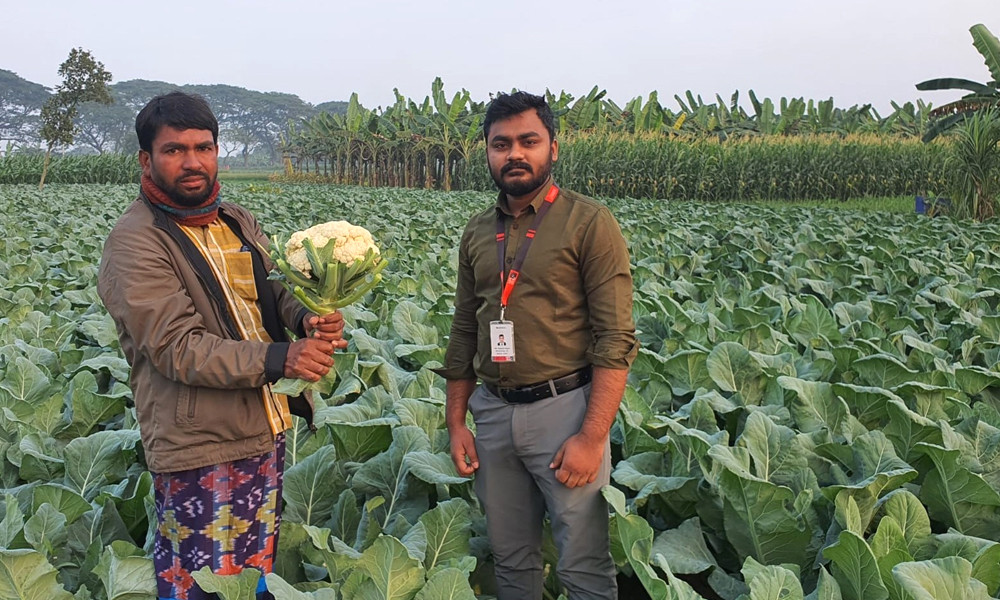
883	371
732	368
771	582
875	468
433	468
641	472
827	587
98	459
391	573
408	320
346	517
312	486
684	548
387	474
63	499
25	382
631	543
115	366
989	47
282	590
242	586
855	568
814	326
127	573
686	371
957	497
26	575
940	579
447	584
889	548
13	521
444	531
911	516
759	517
89	407
46	529
775	450
815	407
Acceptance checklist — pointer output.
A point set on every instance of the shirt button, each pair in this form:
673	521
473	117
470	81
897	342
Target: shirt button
514	226
504	379
509	260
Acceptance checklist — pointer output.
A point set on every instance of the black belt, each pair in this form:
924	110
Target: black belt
542	390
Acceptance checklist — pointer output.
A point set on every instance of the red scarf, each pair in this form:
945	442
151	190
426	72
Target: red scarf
193	216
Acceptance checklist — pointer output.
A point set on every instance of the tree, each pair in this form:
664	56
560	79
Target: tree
20	104
982	95
107	128
976	165
84	80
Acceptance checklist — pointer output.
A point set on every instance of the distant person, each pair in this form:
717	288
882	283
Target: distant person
203	329
564	305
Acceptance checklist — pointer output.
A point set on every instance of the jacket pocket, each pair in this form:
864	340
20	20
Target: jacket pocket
187	402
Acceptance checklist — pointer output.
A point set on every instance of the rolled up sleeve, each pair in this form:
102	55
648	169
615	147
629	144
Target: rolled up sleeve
463	339
607	279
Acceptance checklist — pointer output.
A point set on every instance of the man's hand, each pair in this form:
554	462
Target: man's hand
578	460
329	327
309	359
463	450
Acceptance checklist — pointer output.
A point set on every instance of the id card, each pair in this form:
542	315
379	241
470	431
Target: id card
502	341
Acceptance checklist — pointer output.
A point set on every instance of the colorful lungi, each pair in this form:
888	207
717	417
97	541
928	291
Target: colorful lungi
222	516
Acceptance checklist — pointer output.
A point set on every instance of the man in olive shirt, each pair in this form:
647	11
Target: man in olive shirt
543	317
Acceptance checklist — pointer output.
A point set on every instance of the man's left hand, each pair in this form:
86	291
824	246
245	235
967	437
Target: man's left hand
578	460
329	327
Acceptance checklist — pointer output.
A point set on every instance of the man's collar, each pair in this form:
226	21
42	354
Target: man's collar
535	204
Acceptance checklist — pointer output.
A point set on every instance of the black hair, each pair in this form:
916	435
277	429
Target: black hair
178	110
505	106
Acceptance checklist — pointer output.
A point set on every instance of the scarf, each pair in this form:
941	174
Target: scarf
192	216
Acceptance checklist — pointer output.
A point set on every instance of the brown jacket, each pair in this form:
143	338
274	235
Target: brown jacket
195	382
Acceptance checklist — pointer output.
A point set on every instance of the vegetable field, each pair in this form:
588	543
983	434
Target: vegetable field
815	412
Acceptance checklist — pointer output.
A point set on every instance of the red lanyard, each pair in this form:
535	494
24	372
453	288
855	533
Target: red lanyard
509	280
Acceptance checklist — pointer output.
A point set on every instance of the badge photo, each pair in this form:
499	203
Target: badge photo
502	341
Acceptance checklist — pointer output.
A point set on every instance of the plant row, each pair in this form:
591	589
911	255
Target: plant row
815	410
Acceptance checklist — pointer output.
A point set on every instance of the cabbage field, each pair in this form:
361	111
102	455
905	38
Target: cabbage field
815	411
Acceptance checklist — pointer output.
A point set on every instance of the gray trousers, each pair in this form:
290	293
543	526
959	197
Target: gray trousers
516	443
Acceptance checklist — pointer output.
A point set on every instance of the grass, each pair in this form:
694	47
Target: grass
237	175
888	204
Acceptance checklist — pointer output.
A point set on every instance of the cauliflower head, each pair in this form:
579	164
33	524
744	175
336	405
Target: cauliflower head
352	243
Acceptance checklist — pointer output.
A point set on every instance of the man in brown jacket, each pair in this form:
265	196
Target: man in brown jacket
204	332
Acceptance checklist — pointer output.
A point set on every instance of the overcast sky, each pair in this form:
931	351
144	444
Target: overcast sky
857	51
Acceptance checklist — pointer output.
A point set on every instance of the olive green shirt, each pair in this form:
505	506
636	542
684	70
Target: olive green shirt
571	306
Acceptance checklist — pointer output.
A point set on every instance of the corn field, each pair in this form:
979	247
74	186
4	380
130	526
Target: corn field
20	167
785	150
807	167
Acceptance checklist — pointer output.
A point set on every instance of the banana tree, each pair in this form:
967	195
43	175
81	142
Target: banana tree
980	96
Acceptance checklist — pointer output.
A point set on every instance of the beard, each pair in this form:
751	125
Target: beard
176	192
520	187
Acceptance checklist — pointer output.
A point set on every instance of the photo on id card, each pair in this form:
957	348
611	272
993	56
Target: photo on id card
502	341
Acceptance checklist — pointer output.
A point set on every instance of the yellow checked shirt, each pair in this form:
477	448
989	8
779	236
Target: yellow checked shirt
571	307
233	270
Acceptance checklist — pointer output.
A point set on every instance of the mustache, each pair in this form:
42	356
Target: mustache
188	174
519	165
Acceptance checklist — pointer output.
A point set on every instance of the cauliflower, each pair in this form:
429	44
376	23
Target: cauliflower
348	265
352	243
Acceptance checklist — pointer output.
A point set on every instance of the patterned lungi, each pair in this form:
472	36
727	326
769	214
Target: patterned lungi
222	516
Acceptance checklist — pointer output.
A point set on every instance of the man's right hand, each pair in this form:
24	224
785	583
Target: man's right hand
308	359
463	450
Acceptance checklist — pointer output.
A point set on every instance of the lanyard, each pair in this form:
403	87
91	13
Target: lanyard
510	280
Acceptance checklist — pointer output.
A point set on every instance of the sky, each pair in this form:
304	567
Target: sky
856	51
